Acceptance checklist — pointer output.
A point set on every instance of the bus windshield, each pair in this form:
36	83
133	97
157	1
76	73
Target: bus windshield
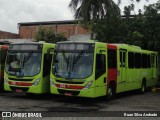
73	65
23	63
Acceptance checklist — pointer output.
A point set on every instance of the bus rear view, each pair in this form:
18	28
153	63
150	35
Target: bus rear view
27	67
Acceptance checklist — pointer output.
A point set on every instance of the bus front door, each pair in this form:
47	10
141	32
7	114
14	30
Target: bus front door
154	68
100	72
123	67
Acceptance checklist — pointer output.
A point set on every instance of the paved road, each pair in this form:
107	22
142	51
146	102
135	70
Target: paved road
74	106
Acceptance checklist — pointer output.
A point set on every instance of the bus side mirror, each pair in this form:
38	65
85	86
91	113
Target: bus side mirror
102	51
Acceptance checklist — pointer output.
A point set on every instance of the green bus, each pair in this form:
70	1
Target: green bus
27	67
94	69
3	53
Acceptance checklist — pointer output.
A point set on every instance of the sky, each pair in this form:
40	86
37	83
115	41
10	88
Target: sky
13	12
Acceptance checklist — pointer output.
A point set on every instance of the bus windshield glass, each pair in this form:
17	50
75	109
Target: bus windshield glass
23	62
72	63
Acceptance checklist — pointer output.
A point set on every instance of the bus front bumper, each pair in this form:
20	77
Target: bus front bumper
72	92
28	89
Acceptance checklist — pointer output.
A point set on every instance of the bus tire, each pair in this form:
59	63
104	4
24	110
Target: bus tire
1	87
143	87
111	92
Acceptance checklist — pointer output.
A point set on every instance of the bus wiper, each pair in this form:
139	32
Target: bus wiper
26	58
65	58
76	59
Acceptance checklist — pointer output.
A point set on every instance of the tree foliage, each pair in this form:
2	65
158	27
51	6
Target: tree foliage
95	10
142	30
48	35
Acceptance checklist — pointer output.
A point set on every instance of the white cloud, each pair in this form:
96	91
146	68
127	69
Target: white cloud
13	12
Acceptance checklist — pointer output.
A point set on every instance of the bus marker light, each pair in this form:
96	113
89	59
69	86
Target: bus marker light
5	80
88	85
36	82
51	82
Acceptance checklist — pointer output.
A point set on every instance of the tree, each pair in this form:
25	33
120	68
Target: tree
110	30
152	25
94	10
48	35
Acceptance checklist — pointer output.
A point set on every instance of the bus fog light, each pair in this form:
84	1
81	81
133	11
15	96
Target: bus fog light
88	85
52	82
5	80
36	82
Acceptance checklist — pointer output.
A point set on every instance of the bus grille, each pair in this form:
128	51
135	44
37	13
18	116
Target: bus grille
68	91
15	79
70	82
24	89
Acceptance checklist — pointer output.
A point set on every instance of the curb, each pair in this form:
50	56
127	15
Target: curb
155	90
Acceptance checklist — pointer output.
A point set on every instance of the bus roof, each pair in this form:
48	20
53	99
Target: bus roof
125	45
113	45
83	41
130	47
36	43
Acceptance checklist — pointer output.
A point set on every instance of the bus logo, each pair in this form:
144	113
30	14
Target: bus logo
6	114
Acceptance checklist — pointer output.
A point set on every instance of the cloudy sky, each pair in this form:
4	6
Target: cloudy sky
13	12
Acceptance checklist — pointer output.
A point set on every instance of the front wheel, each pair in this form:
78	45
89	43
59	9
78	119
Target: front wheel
111	93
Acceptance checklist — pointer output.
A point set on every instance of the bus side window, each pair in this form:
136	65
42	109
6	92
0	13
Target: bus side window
47	64
144	61
138	62
122	59
156	62
131	62
100	65
149	61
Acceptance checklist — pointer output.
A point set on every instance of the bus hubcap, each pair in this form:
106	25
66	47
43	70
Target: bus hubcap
143	88
110	92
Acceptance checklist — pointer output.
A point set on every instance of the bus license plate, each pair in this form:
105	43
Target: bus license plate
18	91
68	94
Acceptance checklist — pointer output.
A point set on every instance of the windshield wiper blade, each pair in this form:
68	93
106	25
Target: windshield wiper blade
66	59
75	60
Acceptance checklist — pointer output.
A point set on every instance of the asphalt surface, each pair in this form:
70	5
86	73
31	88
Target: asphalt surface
62	107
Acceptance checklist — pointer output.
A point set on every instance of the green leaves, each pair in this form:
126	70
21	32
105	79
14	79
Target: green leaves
92	10
141	30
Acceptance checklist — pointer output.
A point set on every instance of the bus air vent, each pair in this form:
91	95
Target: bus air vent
70	82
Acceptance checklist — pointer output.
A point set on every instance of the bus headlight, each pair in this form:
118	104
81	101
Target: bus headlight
5	80
88	85
36	82
52	82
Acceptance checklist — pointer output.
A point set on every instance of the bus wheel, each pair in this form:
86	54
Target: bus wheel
143	87
111	92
